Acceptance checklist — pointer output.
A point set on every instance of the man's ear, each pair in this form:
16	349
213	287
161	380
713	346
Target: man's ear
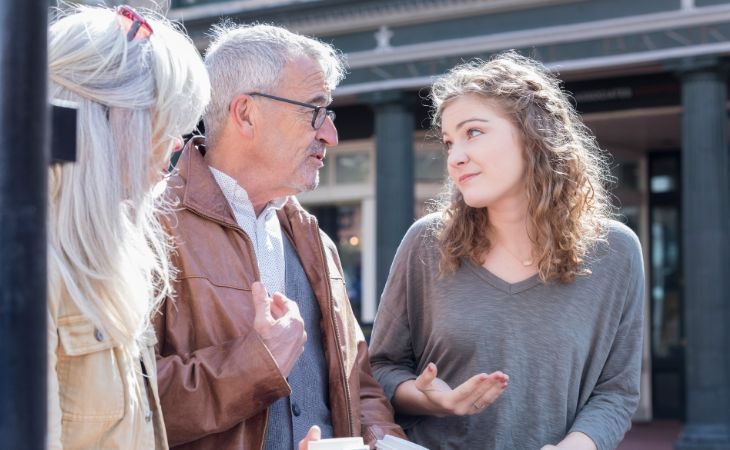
241	114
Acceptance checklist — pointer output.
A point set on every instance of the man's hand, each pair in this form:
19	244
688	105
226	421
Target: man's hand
280	326
471	397
314	434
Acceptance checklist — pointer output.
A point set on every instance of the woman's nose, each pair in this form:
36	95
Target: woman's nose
456	156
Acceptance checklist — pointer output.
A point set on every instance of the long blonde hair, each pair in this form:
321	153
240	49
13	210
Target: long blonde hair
107	250
565	176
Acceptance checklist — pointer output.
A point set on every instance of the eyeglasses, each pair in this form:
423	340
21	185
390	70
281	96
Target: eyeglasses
318	115
134	23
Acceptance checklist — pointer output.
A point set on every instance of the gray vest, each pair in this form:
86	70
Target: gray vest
290	417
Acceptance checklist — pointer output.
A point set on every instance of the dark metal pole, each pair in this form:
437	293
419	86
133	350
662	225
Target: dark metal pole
23	194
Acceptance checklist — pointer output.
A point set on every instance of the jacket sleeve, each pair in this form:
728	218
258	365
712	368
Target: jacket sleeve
607	415
376	413
214	388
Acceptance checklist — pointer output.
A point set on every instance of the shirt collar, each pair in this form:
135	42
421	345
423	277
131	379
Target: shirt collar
238	197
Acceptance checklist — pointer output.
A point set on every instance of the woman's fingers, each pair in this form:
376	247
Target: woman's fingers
424	382
494	389
470	397
479	392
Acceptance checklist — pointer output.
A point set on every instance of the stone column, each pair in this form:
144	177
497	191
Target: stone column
394	185
706	245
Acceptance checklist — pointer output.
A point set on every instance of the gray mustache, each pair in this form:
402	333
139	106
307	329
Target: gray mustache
316	148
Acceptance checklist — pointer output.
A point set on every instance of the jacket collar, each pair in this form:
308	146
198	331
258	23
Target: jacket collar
202	194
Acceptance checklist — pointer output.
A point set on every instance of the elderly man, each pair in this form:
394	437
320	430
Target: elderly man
260	342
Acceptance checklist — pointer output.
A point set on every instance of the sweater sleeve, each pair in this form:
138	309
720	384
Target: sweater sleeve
391	347
607	415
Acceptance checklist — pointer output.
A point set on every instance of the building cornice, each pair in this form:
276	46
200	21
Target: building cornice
564	67
542	36
344	16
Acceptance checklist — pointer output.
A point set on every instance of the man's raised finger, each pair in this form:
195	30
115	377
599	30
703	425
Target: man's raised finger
261	303
279	305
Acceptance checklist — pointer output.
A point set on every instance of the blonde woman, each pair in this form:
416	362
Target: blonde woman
512	318
139	85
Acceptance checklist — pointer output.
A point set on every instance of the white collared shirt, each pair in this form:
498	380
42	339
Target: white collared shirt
264	231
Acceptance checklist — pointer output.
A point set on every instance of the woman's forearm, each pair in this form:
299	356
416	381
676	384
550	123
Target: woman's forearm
407	399
577	441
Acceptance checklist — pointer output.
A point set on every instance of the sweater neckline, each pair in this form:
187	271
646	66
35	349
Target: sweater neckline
499	283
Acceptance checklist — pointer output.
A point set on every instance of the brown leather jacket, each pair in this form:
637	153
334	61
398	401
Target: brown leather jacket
216	377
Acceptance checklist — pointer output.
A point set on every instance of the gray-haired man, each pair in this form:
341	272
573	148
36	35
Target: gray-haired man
237	368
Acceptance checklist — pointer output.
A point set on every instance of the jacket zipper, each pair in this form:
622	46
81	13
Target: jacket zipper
331	302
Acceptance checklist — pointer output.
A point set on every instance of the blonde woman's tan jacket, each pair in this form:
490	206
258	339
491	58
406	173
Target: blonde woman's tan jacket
90	402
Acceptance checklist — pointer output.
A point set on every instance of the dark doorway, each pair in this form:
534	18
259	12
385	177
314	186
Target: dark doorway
665	278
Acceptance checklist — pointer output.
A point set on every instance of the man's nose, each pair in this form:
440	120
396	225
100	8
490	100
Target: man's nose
327	133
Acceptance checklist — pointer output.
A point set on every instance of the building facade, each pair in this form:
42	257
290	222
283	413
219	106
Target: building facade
650	79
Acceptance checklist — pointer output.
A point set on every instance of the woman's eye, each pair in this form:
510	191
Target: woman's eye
473	132
447	146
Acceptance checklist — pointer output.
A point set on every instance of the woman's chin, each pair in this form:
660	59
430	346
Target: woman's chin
475	202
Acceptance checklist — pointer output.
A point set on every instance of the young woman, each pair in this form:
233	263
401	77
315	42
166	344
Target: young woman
512	318
139	84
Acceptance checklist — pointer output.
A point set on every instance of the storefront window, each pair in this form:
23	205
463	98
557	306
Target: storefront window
352	167
343	223
430	165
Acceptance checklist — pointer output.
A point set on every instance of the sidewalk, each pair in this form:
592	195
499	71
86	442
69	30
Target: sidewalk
655	435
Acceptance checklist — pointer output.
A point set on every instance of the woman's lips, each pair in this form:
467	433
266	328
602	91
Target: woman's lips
467	177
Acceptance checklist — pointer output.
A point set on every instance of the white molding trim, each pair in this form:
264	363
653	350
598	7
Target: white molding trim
631	113
337	193
542	36
563	67
368	276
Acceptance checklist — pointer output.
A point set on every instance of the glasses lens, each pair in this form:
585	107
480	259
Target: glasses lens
319	119
322	114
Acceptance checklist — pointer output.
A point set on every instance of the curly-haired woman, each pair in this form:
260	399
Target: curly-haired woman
520	278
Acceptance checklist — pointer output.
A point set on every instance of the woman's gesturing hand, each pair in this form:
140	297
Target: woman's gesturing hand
471	397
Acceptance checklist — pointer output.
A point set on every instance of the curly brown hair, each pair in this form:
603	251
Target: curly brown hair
566	171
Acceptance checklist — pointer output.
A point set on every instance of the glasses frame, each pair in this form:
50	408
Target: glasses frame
328	112
137	22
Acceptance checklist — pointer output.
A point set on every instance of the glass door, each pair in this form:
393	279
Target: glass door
665	278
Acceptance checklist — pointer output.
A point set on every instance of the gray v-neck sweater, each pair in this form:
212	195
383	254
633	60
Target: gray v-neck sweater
573	352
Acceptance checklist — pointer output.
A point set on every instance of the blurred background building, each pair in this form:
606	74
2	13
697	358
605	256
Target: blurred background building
650	79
